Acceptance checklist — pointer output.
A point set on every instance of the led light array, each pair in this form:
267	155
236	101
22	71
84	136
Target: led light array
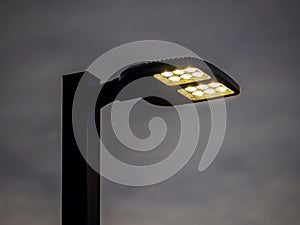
203	91
182	76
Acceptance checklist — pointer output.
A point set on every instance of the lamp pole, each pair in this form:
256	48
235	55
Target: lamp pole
80	183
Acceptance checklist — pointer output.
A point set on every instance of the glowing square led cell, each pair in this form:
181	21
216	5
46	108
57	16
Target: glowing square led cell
214	84
174	78
198	74
167	74
178	72
191	70
204	91
191	89
197	93
221	89
202	86
186	76
182	76
209	91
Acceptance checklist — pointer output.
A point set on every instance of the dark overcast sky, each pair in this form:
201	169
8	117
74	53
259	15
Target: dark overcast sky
255	179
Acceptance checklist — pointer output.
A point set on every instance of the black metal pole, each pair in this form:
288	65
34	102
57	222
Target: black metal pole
80	183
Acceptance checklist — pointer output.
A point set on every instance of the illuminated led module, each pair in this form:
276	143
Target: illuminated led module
203	91
182	76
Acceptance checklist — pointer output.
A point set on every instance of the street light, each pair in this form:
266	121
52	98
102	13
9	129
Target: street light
182	80
189	80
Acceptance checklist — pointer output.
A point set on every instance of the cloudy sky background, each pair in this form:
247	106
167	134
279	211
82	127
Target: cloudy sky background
254	180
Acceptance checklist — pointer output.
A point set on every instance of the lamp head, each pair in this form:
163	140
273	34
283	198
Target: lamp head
181	80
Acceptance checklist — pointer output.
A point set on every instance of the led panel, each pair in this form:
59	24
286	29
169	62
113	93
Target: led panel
201	91
182	76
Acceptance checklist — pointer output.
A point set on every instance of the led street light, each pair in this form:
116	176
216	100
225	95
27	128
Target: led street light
182	80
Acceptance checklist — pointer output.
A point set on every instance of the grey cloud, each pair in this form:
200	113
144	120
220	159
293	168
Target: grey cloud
254	180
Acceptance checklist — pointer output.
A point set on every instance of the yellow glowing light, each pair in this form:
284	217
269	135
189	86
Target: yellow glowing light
214	84
198	93
221	89
174	78
204	91
203	86
182	76
186	76
167	74
178	72
191	70
210	91
191	89
198	74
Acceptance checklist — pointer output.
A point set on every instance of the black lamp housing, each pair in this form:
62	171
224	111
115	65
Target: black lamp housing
149	69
